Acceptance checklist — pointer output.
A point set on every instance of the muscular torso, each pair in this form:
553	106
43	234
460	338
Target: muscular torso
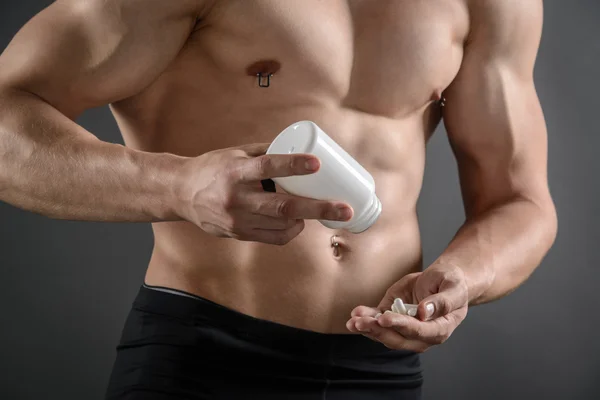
370	74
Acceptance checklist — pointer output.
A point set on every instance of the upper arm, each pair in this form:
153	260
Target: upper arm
493	116
78	54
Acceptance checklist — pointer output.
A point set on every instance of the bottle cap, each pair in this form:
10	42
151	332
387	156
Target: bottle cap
368	217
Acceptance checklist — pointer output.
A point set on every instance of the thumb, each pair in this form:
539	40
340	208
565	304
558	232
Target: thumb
255	149
442	303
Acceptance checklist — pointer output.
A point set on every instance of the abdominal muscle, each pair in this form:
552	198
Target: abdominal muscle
370	77
308	283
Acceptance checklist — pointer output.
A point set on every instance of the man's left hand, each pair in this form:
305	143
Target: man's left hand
442	294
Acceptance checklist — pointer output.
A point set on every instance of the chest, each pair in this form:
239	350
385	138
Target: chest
382	56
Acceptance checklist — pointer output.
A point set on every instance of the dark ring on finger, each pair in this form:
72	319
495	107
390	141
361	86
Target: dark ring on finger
268	185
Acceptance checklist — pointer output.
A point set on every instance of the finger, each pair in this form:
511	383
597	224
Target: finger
350	325
450	298
396	341
257	221
361	324
364	311
275	165
431	332
255	149
401	289
276	237
283	205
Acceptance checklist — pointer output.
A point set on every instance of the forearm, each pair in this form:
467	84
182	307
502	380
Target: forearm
52	166
499	249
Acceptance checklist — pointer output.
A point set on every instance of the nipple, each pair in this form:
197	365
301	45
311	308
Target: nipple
438	97
263	70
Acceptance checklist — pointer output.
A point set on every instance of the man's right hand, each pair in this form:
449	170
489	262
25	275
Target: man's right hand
221	193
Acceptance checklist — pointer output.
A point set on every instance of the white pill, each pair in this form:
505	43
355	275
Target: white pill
412	309
400	306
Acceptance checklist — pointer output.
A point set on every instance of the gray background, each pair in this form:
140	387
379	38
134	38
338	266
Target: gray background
67	286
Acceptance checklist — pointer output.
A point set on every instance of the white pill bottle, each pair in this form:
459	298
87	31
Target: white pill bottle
339	178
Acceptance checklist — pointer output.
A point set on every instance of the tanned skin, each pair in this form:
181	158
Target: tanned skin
197	125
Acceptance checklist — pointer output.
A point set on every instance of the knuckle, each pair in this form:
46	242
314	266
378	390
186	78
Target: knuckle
440	274
362	310
265	206
444	306
264	164
232	171
284	209
229	200
240	152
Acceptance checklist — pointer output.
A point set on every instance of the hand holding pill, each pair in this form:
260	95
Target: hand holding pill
438	299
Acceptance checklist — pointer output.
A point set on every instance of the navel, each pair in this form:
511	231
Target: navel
337	247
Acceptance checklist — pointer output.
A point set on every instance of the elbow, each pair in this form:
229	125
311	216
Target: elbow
544	232
550	221
543	219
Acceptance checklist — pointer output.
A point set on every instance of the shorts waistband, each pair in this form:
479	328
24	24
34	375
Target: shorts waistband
193	308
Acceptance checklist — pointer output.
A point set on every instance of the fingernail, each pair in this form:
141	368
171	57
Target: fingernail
343	212
348	325
362	328
377	315
429	309
312	164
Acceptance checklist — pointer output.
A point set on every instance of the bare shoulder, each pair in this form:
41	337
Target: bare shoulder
78	54
505	28
160	8
504	14
504	33
502	21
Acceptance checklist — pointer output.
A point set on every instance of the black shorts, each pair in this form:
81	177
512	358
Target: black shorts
181	347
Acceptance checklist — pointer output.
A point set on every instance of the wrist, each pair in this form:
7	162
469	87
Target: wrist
478	279
162	175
